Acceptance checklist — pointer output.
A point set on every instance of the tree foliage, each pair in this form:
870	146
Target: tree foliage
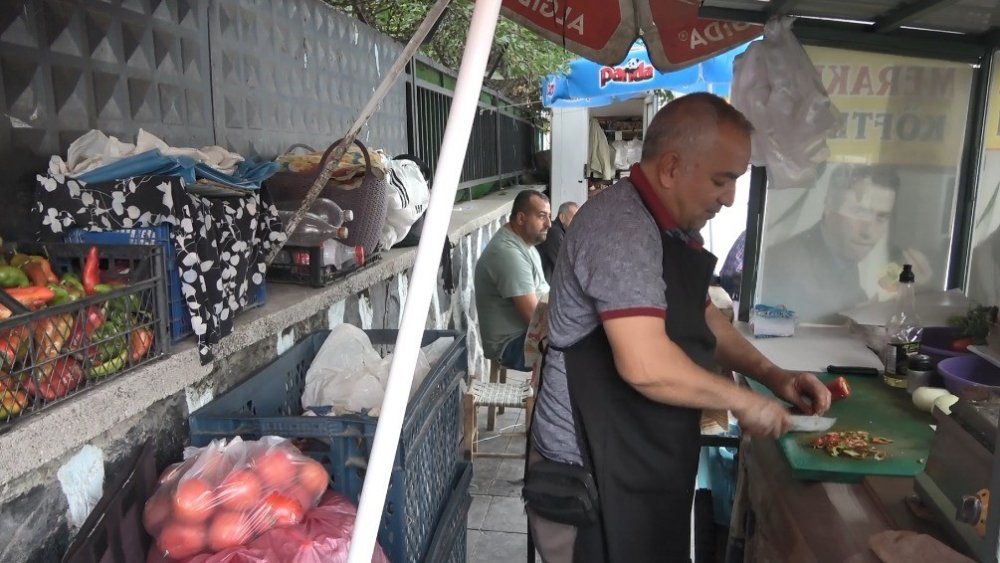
518	61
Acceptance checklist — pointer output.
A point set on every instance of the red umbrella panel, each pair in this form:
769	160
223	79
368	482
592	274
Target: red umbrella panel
604	30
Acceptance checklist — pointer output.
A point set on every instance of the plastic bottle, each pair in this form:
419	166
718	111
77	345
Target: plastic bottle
311	230
903	331
325	209
342	256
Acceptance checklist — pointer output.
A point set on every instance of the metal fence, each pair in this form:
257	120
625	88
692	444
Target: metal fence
501	144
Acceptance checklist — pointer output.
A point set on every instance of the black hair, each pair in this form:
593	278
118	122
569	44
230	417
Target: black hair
522	202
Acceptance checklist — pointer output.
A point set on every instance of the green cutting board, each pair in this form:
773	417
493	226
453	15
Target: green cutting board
877	408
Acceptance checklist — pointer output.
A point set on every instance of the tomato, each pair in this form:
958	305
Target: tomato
282	509
276	469
313	477
961	344
193	501
839	389
240	490
156	512
307	499
228	529
179	540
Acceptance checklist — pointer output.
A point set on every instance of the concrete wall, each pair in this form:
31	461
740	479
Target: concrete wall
79	445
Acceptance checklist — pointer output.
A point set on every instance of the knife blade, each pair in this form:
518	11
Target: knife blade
803	423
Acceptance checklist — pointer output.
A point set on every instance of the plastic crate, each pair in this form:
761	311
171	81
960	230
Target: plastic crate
113	533
450	534
269	403
49	355
303	265
180	315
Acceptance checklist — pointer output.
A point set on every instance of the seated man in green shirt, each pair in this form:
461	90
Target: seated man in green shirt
509	280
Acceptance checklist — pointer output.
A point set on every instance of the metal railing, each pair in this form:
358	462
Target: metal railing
501	145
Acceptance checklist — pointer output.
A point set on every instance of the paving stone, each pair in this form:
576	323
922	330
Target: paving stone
506	514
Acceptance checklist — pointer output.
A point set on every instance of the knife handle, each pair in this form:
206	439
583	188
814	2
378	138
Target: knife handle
852	370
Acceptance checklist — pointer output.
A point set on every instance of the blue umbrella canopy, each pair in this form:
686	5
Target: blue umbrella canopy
591	84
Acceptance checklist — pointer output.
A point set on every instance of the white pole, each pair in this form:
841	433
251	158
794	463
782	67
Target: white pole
423	281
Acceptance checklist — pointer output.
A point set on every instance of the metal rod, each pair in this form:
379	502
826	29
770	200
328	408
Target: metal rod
423	281
897	17
388	82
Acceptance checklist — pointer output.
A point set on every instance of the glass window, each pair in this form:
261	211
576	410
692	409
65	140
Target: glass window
884	197
984	266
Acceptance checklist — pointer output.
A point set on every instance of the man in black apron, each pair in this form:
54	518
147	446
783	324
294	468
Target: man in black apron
634	347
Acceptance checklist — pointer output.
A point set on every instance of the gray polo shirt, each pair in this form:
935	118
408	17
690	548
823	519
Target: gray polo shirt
611	267
508	267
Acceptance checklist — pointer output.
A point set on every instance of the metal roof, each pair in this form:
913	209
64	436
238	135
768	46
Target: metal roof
957	29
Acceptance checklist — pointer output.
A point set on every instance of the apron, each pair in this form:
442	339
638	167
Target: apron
643	454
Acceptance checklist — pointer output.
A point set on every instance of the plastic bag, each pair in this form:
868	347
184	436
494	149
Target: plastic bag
779	90
408	199
224	495
324	536
349	376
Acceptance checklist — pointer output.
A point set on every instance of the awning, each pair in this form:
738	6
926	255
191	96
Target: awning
590	84
604	30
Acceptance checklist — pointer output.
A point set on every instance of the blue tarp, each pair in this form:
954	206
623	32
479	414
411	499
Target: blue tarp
248	175
590	84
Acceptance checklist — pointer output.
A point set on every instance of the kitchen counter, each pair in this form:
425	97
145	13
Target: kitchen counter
802	521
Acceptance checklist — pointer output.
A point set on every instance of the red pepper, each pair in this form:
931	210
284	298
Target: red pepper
839	389
33	269
142	341
91	271
31	296
57	381
84	331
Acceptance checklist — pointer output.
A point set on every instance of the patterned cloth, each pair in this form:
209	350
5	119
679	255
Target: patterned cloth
221	243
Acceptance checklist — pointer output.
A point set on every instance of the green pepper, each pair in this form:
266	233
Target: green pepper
71	280
110	339
108	367
19	259
13	277
102	288
62	296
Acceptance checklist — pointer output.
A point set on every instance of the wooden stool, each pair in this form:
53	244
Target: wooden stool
494	395
498	374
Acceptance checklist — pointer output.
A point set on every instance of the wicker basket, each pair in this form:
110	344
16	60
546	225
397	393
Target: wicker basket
369	201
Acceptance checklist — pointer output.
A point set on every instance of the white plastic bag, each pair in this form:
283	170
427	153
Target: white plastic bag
349	376
779	90
408	199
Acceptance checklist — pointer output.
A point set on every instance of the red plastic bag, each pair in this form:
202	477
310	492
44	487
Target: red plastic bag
224	495
324	536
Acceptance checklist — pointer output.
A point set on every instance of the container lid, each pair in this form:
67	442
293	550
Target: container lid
906	276
920	362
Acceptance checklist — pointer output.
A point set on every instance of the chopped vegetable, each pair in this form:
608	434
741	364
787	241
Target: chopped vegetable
856	444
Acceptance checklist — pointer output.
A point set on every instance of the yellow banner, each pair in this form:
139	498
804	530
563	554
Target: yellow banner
895	110
992	141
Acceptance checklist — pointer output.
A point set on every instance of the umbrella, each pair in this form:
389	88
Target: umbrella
604	30
590	84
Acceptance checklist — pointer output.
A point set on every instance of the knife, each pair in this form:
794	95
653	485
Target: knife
802	423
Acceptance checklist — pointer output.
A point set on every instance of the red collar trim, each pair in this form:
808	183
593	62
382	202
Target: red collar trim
649	198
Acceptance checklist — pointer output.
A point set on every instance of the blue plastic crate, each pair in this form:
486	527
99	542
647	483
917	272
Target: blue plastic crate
449	543
269	403
180	315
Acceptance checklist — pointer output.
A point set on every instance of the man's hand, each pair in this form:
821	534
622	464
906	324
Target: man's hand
762	417
804	390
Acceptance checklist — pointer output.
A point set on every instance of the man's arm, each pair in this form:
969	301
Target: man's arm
525	305
655	366
734	352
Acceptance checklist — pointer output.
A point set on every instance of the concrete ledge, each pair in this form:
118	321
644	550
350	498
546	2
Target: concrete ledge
56	431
